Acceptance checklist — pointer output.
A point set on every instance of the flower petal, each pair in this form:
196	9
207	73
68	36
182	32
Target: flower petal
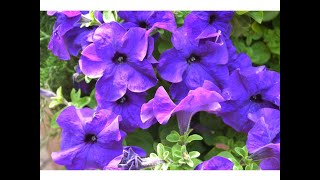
142	76
135	43
270	164
162	106
172	65
216	163
109	33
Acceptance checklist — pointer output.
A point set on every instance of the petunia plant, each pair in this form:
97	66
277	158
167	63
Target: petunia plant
163	90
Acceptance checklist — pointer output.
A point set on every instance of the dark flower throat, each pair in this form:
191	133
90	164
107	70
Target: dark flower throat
90	138
193	58
119	58
256	98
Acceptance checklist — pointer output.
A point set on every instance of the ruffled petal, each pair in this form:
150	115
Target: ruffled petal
172	65
216	163
162	106
135	43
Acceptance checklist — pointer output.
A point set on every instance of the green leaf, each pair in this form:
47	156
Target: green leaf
260	53
190	163
194	154
93	103
181	161
54	103
142	139
59	92
194	137
153	155
241	24
255	166
166	154
256	15
173	136
108	16
241	152
77	101
87	79
241	12
160	150
249	167
53	123
164	45
269	15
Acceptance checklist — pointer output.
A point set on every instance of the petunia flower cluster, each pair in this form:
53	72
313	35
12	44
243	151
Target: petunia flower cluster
203	68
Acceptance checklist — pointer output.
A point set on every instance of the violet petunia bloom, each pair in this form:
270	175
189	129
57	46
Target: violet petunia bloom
263	141
202	23
117	57
161	107
216	163
190	62
128	106
236	60
67	36
148	20
248	90
89	140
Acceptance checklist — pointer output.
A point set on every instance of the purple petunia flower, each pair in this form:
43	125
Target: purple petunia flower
161	107
148	20
263	141
216	163
236	60
67	36
202	23
190	62
117	57
89	140
248	90
128	106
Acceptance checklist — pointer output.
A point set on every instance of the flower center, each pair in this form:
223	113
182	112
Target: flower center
193	58
143	24
119	58
122	100
256	98
90	138
212	19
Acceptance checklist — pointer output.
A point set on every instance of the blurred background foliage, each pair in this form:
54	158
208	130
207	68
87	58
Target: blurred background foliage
255	33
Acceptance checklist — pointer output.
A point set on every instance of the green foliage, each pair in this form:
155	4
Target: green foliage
177	157
142	139
57	100
258	35
78	101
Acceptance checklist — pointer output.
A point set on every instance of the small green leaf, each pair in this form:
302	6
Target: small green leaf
270	15
164	45
54	103
181	161
173	136
249	167
108	16
77	101
260	53
153	155
241	12
93	103
255	166
194	154
59	92
165	154
194	137
256	15
241	152
87	79
53	122
160	150
190	163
